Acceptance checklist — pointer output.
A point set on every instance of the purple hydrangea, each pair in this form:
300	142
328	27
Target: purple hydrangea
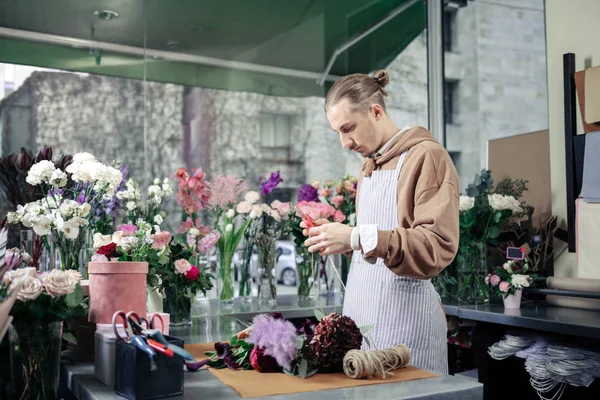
308	193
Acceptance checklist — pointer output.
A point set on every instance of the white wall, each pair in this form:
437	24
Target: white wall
571	27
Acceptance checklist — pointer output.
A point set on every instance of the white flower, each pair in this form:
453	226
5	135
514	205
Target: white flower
276	204
229	228
508	266
252	197
256	212
244	207
17	274
117	237
275	215
59	283
266	208
231	213
42	226
519	281
101	240
30	288
99	257
194	231
83	210
500	202
466	203
158	219
128	242
40	172
157	181
82	157
70	228
58	178
131	205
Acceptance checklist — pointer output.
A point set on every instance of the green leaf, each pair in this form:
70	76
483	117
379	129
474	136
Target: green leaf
319	314
74	298
494	232
497	216
365	329
69	337
367	341
233	341
303	368
299	342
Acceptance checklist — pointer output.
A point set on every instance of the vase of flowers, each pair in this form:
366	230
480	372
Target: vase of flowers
509	280
267	259
43	303
308	269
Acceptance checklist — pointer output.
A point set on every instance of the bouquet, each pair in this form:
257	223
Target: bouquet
341	195
110	212
509	278
151	211
69	201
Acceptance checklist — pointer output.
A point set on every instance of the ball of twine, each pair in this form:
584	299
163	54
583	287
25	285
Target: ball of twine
361	364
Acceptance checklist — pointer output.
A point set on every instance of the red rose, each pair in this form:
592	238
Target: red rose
193	273
109	250
261	362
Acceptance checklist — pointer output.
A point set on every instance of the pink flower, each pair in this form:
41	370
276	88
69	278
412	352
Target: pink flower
317	210
338	216
208	241
127	229
244	207
193	273
225	190
193	193
325	192
160	240
186	225
494	280
182	266
337	200
504	286
284	208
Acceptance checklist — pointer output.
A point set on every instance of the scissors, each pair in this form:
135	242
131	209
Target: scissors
132	337
155	337
308	221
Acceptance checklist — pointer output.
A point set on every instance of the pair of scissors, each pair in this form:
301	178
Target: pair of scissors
131	336
308	221
155	337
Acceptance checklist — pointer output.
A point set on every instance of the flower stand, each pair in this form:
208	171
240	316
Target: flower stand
513	301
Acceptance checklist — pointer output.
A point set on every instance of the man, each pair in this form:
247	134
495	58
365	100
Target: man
407	223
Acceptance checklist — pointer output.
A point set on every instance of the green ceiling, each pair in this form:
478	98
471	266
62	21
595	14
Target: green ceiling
295	34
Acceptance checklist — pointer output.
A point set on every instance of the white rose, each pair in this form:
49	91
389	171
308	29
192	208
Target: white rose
194	231
498	202
59	283
229	228
519	281
117	237
101	240
252	197
515	205
17	274
158	219
30	288
231	213
466	203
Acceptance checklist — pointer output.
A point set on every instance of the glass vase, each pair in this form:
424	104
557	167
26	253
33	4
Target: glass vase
40	249
245	286
35	350
178	304
471	272
71	253
225	282
308	271
267	260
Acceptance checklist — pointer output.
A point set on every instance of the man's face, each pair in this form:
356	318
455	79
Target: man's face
357	130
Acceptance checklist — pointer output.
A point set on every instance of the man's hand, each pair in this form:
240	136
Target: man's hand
317	222
329	238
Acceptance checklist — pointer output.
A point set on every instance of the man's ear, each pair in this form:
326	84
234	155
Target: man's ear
376	111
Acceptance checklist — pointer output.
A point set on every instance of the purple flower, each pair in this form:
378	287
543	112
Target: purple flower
307	328
308	193
271	183
223	349
276	336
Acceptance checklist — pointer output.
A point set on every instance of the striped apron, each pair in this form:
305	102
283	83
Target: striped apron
402	310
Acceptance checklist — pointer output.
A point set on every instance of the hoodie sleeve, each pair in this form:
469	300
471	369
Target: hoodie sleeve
423	249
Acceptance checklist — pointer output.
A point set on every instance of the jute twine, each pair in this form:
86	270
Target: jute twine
364	364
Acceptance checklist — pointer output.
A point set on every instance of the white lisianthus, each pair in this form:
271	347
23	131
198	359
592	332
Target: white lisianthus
40	172
230	213
131	205
59	283
30	288
228	228
466	203
519	281
158	219
252	197
101	240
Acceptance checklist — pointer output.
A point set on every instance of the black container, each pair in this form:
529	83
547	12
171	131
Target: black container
135	381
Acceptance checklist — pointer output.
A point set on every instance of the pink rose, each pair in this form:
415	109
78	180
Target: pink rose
127	229
182	266
504	286
337	200
193	273
325	192
495	280
284	209
338	216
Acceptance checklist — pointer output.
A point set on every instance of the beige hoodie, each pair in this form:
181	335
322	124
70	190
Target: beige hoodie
426	240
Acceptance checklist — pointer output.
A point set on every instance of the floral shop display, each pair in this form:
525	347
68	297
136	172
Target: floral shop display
167	268
43	303
484	214
231	224
150	211
509	280
70	198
